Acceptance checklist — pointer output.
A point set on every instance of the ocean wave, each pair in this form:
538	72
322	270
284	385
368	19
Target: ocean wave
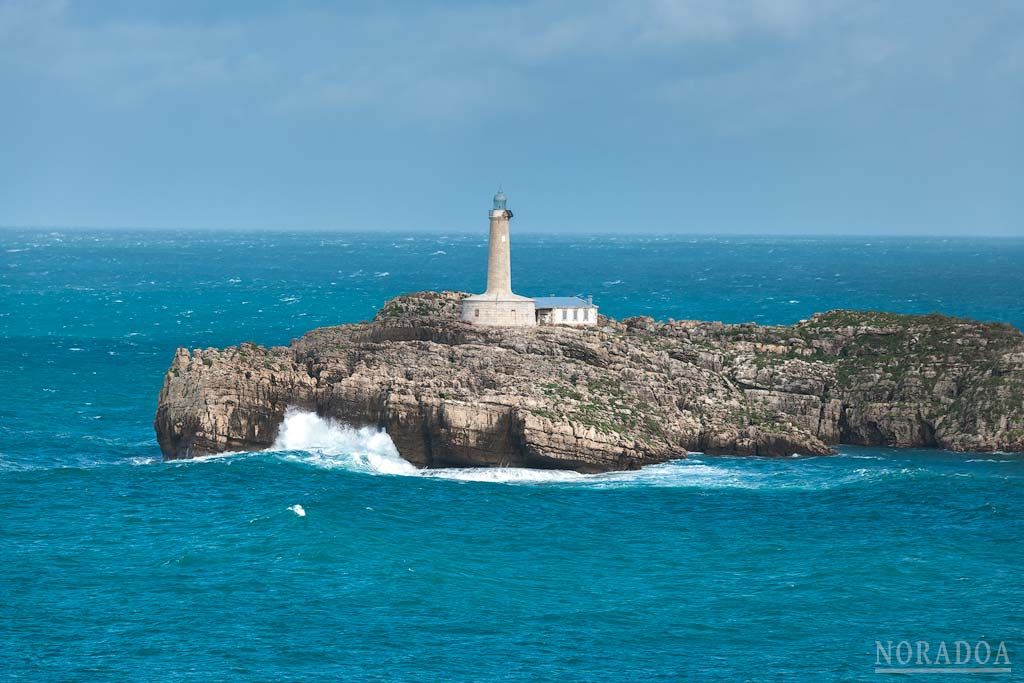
992	460
307	437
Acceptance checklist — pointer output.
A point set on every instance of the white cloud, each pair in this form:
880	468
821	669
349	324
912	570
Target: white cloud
437	61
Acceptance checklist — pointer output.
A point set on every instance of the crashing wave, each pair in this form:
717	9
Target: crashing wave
330	444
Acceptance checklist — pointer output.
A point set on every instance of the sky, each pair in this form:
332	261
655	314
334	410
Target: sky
690	116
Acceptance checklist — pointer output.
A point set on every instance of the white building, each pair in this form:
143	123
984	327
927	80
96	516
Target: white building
565	310
499	306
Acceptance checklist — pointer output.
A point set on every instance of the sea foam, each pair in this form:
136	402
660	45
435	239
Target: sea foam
330	444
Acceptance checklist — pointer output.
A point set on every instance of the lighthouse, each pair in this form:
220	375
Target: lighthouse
499	256
498	305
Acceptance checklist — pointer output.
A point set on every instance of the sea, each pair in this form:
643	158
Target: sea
328	557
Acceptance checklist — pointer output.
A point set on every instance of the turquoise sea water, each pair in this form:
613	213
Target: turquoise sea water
116	566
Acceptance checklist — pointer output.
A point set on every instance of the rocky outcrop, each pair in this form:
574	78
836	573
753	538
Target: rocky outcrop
616	396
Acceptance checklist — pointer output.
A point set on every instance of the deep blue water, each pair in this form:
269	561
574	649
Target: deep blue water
116	566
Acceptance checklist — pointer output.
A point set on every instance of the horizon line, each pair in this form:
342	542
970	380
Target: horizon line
468	231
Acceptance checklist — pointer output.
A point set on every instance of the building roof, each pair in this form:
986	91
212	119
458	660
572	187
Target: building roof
562	302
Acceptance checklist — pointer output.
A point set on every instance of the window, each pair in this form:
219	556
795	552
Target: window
565	314
586	314
575	312
476	312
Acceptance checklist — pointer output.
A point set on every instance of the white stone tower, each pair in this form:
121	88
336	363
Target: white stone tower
498	305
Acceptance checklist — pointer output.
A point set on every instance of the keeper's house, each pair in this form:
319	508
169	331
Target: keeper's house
565	310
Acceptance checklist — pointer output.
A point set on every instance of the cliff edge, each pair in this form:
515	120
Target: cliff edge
617	396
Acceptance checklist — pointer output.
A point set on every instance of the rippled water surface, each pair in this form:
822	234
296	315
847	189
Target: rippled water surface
116	566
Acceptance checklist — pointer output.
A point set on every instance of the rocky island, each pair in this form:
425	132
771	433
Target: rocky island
616	395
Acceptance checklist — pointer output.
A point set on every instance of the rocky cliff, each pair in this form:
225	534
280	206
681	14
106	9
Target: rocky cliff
617	396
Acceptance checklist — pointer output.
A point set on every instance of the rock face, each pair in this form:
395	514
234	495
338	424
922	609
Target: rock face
618	396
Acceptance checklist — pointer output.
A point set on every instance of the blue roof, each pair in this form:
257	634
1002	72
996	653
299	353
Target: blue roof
561	302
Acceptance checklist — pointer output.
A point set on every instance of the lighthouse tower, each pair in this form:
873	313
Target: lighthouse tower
498	305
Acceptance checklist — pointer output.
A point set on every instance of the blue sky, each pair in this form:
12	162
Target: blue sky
728	116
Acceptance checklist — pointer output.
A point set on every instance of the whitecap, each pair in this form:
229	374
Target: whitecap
211	457
298	510
503	475
332	445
